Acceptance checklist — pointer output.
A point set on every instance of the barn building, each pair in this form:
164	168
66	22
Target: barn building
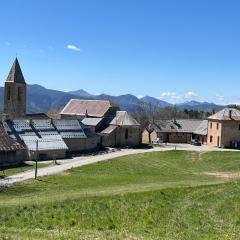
178	131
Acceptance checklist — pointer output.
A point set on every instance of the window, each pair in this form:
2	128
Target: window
217	126
211	125
211	139
126	134
8	93
19	94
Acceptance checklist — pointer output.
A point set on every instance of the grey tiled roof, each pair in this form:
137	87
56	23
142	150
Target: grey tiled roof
226	114
53	142
48	138
43	124
91	121
180	125
21	125
64	124
202	129
72	128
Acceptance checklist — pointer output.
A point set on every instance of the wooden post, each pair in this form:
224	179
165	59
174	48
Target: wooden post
36	162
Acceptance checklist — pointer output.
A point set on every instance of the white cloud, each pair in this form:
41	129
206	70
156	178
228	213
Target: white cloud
220	98
175	97
190	94
73	47
168	94
139	96
7	43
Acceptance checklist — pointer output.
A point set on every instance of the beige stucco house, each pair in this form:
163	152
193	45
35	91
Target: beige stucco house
224	129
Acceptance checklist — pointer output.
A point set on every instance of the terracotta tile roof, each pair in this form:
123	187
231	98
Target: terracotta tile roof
8	144
226	114
15	74
93	108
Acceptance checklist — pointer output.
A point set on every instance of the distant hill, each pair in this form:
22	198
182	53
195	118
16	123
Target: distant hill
155	101
80	93
41	99
201	106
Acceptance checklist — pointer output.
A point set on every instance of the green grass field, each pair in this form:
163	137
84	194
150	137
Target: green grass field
164	195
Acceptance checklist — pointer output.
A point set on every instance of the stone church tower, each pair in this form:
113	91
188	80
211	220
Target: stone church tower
15	93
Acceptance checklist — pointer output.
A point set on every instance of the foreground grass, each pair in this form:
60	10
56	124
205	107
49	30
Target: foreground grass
150	196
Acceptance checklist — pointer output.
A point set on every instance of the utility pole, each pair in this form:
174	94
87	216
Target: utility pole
36	162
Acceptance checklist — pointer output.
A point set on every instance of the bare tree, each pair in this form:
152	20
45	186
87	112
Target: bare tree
146	117
53	113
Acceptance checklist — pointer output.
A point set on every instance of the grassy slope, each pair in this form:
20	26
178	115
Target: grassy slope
142	196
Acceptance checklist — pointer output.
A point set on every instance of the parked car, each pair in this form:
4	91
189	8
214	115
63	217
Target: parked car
196	142
157	141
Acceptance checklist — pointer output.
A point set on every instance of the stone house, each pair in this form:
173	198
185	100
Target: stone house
178	131
224	129
11	151
76	135
51	139
38	136
120	129
15	92
115	127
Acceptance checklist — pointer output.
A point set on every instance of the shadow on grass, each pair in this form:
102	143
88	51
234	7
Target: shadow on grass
12	166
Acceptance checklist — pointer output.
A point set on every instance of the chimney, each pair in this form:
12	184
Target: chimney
230	114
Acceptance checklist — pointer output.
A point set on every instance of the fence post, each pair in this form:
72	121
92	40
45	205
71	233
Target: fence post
36	162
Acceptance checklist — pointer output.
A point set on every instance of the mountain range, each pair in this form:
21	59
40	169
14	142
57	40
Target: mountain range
41	99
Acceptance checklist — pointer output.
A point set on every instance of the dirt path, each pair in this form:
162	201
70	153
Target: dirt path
224	175
85	160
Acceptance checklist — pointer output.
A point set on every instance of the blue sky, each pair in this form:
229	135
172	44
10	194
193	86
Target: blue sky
176	50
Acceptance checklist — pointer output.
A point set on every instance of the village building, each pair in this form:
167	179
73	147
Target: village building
116	128
15	92
39	137
76	135
224	129
177	131
11	151
77	108
120	129
36	134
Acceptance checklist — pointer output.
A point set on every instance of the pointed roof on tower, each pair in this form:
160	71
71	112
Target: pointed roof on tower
15	75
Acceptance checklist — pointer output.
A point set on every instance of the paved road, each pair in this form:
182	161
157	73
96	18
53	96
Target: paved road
85	160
